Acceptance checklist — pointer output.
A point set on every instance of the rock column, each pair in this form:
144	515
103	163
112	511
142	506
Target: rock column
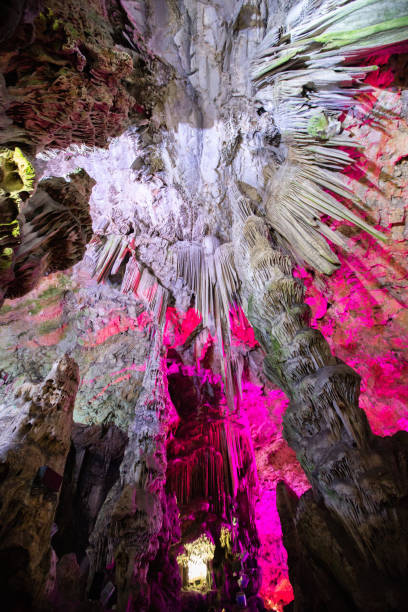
128	526
359	481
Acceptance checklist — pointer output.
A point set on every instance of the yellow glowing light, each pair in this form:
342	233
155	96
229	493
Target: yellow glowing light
225	537
195	559
197	569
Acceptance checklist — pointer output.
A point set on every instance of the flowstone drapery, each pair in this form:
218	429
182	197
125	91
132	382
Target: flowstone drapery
55	231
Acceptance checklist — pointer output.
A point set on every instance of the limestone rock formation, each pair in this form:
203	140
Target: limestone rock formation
16	181
128	526
346	541
357	479
212	472
232	143
56	229
102	329
67	74
35	439
91	470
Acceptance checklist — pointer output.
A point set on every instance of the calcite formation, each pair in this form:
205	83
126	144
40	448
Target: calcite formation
211	469
92	468
67	77
35	435
56	229
102	329
128	526
342	552
232	152
333	442
16	180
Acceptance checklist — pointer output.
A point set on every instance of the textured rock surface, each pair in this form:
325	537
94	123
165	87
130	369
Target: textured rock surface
67	78
102	329
91	470
128	527
197	128
275	461
342	552
363	304
55	231
35	432
16	181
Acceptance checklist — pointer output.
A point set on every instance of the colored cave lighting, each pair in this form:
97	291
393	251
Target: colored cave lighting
194	563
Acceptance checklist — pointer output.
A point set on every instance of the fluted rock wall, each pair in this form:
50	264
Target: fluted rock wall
128	527
68	74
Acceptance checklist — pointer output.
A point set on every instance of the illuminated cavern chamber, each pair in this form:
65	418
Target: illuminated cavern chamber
253	148
196	564
211	471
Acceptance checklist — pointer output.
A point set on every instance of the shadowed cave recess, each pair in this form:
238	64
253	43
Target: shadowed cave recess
203	288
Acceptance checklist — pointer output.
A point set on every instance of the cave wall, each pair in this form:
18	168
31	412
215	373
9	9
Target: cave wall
36	431
104	331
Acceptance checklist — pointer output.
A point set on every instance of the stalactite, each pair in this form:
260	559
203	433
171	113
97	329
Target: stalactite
107	258
306	81
212	467
208	270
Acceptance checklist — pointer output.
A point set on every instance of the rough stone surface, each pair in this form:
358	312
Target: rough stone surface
91	470
102	329
35	432
67	78
179	73
55	231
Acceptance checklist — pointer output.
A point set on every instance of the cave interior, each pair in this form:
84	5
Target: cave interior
203	290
